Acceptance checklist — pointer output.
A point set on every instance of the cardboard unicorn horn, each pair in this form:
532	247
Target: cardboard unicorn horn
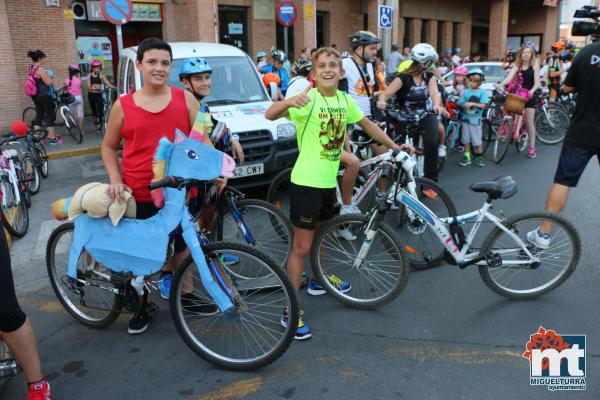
140	246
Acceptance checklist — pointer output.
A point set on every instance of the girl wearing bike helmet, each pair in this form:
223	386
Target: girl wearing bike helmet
416	89
460	74
94	88
195	74
526	74
73	84
45	109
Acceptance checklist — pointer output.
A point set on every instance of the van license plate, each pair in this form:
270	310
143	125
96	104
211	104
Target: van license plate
248	170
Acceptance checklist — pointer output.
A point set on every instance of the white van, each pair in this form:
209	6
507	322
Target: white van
239	99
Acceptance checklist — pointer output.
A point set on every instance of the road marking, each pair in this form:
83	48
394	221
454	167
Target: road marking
236	390
46	229
51	306
453	354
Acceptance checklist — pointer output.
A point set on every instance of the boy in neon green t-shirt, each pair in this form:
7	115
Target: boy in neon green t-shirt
321	115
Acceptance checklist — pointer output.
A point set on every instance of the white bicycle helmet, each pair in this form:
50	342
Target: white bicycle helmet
424	54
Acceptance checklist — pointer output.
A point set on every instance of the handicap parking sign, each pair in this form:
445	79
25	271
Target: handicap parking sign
385	17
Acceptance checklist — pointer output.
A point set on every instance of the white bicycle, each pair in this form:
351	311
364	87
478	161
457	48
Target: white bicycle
510	261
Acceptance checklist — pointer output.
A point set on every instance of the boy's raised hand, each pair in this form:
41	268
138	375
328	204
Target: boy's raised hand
301	99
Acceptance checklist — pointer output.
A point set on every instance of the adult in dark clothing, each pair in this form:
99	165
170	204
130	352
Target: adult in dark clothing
45	110
582	141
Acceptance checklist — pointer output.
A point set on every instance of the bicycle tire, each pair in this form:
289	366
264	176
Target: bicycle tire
41	159
279	191
73	128
200	346
9	192
393	244
29	114
22	182
543	128
487	135
61	293
32	175
488	246
503	139
522	141
418	257
282	230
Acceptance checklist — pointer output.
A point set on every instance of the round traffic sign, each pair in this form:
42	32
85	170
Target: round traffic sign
286	13
117	12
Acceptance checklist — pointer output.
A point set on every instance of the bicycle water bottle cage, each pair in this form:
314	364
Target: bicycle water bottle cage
501	187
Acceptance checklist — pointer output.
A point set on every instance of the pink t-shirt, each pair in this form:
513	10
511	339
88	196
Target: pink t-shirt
74	87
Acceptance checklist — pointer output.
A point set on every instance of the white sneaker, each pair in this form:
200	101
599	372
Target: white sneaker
442	151
541	240
350	209
345	234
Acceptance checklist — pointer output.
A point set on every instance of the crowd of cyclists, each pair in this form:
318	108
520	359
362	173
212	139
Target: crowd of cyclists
323	92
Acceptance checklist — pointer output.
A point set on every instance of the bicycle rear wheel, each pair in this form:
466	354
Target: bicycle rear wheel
15	216
488	136
522	141
420	244
279	191
267	228
41	159
502	141
552	129
524	279
29	115
249	337
378	280
92	306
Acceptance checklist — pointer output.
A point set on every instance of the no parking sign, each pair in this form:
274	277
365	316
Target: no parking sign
286	13
117	12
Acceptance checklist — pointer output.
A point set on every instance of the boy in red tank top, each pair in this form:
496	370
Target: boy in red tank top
141	119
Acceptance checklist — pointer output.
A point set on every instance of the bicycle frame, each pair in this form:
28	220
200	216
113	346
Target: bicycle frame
371	181
440	228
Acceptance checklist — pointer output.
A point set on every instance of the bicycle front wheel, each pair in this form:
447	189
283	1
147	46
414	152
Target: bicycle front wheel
377	280
32	175
552	129
420	244
517	276
279	191
502	141
488	136
92	306
252	335
41	160
266	227
15	216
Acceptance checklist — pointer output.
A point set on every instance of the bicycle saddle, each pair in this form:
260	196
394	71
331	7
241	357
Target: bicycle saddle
501	187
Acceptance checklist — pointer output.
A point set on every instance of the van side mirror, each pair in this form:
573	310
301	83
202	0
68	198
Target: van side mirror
273	91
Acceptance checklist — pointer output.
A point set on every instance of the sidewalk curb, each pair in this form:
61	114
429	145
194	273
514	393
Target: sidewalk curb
55	155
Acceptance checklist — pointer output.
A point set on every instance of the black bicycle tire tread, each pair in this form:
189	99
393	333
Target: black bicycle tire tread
9	227
490	238
281	275
314	256
29	157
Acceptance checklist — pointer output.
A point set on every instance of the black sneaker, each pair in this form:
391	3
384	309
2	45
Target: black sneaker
141	320
194	304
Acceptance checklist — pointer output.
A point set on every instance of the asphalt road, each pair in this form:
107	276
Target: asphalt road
446	337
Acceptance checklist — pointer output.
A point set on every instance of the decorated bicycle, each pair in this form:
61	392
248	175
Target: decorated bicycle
98	266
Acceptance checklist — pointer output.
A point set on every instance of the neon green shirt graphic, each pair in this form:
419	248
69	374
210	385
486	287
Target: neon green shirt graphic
321	137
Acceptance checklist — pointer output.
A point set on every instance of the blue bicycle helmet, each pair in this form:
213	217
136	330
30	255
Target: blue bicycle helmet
476	71
193	66
261	54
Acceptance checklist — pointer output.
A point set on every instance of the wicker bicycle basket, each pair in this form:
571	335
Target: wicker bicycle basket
515	104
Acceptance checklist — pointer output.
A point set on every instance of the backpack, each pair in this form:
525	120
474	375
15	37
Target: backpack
30	87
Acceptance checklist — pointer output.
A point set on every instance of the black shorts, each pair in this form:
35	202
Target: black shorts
145	210
532	102
45	111
310	205
573	160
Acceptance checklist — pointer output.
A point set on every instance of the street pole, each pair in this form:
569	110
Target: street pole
386	38
119	40
285	40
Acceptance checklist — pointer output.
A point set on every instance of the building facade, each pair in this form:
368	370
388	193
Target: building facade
74	31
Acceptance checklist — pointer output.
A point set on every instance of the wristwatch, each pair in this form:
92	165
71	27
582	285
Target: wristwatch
235	137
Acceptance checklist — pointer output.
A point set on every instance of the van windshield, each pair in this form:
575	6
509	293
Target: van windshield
234	80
